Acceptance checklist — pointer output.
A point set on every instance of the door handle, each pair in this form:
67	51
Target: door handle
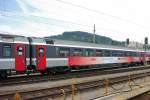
23	61
37	61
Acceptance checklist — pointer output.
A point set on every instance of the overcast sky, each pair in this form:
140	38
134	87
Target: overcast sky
117	19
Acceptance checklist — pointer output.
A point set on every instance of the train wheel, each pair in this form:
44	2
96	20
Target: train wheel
3	75
43	72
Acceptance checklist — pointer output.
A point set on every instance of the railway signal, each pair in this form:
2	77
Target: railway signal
127	41
145	47
146	40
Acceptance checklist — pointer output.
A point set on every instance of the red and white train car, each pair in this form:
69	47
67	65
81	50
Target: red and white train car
59	55
14	54
19	54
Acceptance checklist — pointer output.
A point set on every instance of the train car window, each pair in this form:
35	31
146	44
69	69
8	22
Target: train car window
41	52
121	53
107	53
142	54
99	53
114	53
138	54
89	52
20	51
6	50
126	53
86	53
64	52
77	52
130	53
135	54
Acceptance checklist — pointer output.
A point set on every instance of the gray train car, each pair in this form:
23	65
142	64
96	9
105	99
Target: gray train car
14	54
20	54
50	56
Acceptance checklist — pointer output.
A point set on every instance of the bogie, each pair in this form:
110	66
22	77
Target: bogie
3	75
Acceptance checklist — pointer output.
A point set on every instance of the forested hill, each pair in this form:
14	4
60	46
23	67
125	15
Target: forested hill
86	37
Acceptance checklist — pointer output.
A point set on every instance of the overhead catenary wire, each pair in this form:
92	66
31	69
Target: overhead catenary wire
99	29
70	22
80	7
89	27
81	24
100	13
22	14
60	25
53	24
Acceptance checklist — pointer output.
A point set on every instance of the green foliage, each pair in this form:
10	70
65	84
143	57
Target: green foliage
87	37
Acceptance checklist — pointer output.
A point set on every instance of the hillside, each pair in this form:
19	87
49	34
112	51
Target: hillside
87	37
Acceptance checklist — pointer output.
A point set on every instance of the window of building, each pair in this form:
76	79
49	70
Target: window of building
6	50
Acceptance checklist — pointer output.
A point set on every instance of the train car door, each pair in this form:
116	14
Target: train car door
20	57
41	57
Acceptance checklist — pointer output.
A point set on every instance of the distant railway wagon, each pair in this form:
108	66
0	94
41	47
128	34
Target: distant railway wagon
20	54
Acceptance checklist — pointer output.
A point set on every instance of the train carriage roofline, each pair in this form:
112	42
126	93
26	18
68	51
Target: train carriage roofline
37	41
9	38
77	44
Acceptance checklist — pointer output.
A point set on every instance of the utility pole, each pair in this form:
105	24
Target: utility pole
145	48
94	34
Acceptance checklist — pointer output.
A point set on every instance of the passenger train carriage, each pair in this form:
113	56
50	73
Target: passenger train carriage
20	54
14	54
60	55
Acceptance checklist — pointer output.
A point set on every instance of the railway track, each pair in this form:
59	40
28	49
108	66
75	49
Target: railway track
75	74
57	91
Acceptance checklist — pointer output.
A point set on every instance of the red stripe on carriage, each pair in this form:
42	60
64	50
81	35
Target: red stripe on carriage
73	61
130	59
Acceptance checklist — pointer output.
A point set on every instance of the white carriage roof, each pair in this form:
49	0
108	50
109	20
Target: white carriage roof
91	45
9	38
37	40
